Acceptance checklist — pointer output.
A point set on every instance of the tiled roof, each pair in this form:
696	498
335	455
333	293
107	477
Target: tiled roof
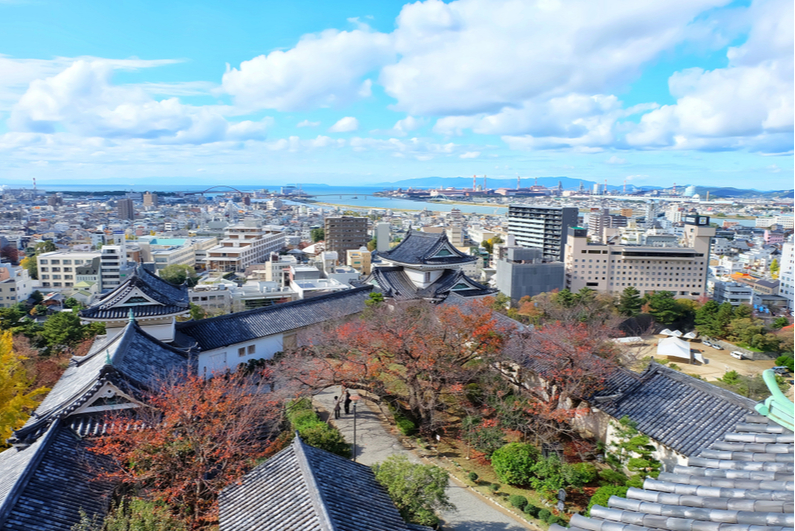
44	485
132	358
677	410
307	489
424	248
395	283
217	332
742	482
170	299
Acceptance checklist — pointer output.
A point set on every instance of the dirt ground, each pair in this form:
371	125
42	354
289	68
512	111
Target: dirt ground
718	361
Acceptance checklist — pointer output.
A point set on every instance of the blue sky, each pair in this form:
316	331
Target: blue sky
653	92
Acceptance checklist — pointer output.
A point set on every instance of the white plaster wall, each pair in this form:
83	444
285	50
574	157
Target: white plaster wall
221	359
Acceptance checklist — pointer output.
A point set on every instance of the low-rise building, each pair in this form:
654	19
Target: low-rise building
15	285
58	269
732	292
524	272
242	246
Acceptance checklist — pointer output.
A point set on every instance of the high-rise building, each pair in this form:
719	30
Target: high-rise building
345	232
523	272
612	268
542	228
151	199
125	209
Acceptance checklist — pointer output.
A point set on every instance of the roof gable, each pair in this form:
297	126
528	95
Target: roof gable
424	248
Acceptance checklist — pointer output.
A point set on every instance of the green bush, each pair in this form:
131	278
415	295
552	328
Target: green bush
520	502
786	361
405	426
635	481
494	487
304	418
544	514
513	463
473	477
587	472
532	510
612	477
603	494
555	520
326	438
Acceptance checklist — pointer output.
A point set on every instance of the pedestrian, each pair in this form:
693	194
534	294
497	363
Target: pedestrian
347	402
336	407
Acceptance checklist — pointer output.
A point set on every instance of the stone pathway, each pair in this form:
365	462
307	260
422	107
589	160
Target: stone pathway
374	444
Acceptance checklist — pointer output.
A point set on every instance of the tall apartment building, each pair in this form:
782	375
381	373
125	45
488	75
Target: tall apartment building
601	219
151	199
114	267
125	209
242	246
345	232
611	268
58	269
542	228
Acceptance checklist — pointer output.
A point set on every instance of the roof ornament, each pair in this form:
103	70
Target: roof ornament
108	360
131	316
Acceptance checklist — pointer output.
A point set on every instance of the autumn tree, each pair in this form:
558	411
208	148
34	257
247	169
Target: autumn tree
16	397
561	364
418	352
9	253
195	437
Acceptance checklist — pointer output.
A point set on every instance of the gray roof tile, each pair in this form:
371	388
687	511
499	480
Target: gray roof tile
425	248
217	332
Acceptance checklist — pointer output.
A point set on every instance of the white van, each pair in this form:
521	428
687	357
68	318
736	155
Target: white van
737	355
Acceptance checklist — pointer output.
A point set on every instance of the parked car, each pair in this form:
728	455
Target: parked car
737	355
783	371
716	345
707	343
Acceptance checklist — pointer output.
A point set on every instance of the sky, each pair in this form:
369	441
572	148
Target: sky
651	92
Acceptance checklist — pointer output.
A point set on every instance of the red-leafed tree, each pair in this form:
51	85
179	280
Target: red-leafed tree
562	364
193	438
416	351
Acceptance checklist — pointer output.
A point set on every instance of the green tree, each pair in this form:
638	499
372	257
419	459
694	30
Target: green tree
63	329
774	268
73	303
633	450
11	317
706	322
197	313
780	322
743	311
513	463
317	234
372	244
663	307
565	298
418	491
16	400
630	303
36	297
46	246
179	273
375	299
723	318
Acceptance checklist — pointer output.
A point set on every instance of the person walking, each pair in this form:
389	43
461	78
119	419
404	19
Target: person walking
336	407
347	402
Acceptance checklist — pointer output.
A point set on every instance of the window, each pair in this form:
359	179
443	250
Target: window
241	351
252	349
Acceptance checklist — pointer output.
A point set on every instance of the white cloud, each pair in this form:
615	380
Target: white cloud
322	70
345	125
480	56
470	155
307	123
615	160
82	100
748	104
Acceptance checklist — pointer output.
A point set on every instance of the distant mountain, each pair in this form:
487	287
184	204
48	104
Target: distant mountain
729	192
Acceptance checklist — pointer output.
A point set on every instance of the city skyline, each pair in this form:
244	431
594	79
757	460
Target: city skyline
353	93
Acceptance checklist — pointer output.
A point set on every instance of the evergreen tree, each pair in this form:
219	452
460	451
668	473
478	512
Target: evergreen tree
630	303
723	319
565	298
663	307
706	316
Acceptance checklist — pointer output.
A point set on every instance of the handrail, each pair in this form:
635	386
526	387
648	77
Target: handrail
777	407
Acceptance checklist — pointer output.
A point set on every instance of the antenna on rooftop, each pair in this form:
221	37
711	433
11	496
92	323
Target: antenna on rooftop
518	181
474	182
34	185
625	187
484	184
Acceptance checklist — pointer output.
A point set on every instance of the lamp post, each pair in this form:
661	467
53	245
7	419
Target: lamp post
355	399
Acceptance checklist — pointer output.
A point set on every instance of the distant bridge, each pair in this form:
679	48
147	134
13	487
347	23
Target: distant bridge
214	188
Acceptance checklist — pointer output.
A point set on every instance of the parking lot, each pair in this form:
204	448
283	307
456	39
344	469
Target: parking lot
719	361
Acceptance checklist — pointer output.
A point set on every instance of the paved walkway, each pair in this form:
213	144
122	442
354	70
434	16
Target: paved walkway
374	444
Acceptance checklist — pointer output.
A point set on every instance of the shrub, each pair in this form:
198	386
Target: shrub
635	481
405	426
326	438
474	393
532	510
612	477
603	494
304	418
587	472
473	477
494	487
513	463
786	361
520	502
544	514
555	520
